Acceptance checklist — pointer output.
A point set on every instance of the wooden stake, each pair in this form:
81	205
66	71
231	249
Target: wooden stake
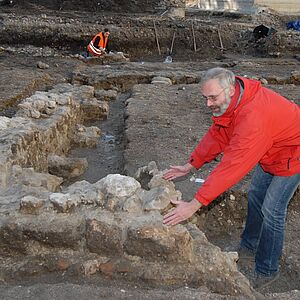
156	38
164	12
220	39
194	38
172	44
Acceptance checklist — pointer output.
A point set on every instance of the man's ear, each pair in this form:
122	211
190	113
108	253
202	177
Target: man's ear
231	90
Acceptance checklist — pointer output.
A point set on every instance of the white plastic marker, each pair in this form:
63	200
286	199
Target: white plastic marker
197	180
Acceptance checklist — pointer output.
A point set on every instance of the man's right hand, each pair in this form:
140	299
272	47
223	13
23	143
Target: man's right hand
177	171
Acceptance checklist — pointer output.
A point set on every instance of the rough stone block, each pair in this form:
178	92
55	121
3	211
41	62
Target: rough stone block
106	95
154	241
79	92
94	109
87	193
86	136
66	167
92	266
132	204
64	202
105	235
29	177
157	198
117	185
31	205
54	230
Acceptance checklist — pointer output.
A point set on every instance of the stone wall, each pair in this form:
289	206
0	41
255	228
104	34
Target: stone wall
45	125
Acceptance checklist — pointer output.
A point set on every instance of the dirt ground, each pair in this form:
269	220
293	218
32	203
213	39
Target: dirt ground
165	124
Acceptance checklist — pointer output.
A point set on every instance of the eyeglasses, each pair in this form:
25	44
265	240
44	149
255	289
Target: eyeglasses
213	98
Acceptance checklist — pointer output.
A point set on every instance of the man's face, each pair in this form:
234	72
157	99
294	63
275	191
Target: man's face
217	98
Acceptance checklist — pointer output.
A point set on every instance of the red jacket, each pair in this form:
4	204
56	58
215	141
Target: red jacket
263	128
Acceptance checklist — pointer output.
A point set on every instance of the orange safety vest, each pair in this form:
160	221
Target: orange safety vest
98	44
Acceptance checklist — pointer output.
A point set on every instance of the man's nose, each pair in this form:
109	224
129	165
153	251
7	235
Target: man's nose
209	103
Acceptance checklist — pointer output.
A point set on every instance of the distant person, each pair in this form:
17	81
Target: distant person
252	126
99	43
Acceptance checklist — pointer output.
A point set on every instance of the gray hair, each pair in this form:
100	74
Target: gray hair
225	77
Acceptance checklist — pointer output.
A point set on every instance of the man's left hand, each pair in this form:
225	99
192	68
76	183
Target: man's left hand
183	211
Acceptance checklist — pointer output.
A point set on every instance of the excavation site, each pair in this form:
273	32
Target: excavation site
85	142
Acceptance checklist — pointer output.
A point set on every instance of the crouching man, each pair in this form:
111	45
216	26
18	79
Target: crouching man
253	127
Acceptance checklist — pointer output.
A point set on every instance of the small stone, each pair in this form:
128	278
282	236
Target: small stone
296	75
107	268
63	264
90	267
64	202
274	54
161	80
263	81
42	65
31	205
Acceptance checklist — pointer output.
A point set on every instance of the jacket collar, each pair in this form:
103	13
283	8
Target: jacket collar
250	89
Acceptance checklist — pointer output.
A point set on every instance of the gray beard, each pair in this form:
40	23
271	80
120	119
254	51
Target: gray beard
223	107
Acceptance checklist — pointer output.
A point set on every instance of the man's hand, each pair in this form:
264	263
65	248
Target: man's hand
183	211
177	171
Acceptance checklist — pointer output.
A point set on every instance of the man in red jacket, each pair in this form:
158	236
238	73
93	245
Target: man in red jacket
252	126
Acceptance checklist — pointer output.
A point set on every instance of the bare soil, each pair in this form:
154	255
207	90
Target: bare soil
167	122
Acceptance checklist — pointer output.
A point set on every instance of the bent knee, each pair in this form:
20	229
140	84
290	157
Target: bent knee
273	217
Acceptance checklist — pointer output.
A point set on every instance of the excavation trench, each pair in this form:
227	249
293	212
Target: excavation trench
107	157
152	113
93	224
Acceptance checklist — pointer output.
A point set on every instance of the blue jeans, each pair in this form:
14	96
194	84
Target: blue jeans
268	199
